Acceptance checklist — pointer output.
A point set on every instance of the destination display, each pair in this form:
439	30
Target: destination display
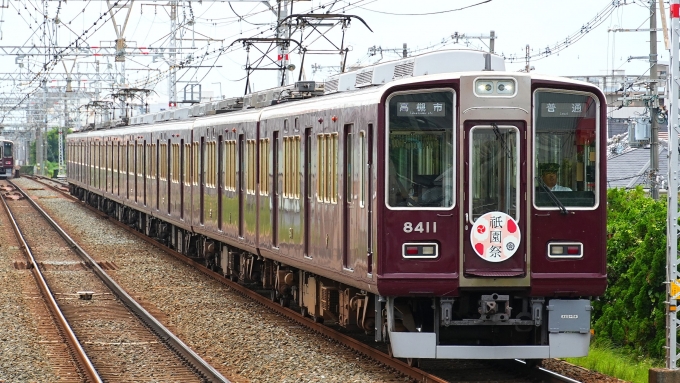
563	109
436	109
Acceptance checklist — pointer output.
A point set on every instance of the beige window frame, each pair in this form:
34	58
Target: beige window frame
250	167
174	158
229	159
194	163
163	162
264	166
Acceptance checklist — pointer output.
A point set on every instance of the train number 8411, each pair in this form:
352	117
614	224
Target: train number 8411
420	227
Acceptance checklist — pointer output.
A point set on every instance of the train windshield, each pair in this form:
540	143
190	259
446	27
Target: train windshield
494	170
7	149
565	145
420	150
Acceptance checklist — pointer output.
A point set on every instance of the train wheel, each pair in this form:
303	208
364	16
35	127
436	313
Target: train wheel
303	311
283	301
532	363
413	362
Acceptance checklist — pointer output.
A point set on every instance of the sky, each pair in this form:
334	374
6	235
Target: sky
578	33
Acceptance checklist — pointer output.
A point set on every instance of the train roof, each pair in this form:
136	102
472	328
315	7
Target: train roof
364	86
446	61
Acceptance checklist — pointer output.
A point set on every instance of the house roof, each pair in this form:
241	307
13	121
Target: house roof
631	167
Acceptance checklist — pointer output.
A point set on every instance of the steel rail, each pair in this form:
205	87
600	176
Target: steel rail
175	344
397	365
74	344
541	374
538	372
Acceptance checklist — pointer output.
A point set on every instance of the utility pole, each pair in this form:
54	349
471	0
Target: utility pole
62	129
653	104
492	39
39	134
283	32
172	77
120	45
527	57
672	286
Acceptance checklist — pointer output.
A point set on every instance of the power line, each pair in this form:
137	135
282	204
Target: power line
427	13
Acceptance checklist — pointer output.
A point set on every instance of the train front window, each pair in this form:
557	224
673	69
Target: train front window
494	170
565	149
7	149
420	150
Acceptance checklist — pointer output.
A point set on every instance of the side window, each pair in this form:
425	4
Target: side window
230	165
163	161
566	126
250	164
194	163
420	150
320	167
291	167
264	166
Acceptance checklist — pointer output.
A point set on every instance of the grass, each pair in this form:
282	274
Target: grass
612	361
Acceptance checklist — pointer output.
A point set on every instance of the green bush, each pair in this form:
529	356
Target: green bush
631	313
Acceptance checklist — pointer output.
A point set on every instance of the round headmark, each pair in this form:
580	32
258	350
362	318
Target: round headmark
495	236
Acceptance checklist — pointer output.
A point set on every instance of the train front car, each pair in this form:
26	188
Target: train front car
7	158
492	231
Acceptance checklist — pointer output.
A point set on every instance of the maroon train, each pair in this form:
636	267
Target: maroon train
6	158
411	199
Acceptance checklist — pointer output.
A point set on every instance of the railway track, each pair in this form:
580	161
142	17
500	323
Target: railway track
112	338
432	371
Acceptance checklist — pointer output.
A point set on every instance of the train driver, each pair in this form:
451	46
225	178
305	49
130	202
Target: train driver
549	176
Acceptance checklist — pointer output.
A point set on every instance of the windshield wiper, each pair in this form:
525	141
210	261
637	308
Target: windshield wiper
499	136
552	196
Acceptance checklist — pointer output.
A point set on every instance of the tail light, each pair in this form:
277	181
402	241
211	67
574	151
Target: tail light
420	250
565	250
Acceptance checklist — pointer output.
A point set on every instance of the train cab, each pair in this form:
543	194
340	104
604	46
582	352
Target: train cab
6	158
494	194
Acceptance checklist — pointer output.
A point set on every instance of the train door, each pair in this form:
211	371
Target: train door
108	165
182	176
169	160
97	165
145	170
348	191
127	169
220	179
275	191
156	172
117	168
367	183
136	169
494	200
307	196
241	182
201	180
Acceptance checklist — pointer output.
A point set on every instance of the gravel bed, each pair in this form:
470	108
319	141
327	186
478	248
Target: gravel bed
241	339
117	343
22	357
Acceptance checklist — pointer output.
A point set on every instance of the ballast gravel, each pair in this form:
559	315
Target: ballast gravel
241	339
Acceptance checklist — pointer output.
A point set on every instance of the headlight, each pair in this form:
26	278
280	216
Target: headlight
484	87
505	87
495	87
